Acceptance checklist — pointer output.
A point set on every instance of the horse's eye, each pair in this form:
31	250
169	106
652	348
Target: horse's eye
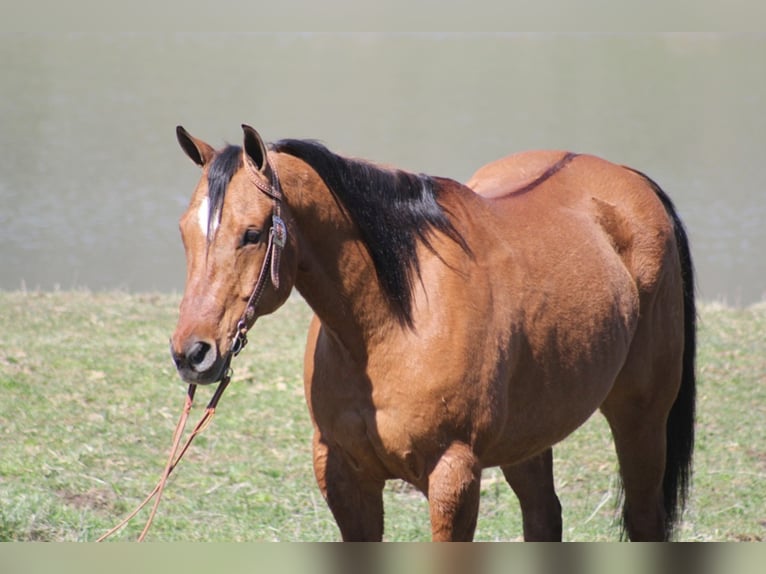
251	236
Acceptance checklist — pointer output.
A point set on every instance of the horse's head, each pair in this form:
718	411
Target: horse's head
240	259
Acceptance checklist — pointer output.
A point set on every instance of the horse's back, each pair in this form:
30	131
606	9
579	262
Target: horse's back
538	185
512	173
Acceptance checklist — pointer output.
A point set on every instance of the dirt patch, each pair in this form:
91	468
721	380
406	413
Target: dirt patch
748	538
753	537
98	499
759	456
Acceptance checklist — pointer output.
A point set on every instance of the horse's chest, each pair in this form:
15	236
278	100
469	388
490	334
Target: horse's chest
391	418
373	443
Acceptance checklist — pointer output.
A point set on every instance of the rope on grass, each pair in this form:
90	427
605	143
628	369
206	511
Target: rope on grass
175	455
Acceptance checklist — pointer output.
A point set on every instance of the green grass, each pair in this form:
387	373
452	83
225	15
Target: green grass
90	400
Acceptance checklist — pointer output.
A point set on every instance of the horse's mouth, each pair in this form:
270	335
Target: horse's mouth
194	378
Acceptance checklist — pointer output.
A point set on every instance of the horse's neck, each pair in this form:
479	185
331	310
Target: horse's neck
339	282
336	275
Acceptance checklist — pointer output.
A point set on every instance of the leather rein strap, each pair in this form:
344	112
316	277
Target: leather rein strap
269	269
176	454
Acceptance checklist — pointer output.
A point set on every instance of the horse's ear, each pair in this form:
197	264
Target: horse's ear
255	149
199	152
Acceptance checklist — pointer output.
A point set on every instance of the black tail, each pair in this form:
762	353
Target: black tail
680	426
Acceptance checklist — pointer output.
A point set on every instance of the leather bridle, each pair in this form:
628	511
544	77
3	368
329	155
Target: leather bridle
270	267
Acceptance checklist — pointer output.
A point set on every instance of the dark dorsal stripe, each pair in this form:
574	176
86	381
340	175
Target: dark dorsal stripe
547	174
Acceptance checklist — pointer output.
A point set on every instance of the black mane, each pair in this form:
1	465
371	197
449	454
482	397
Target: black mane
222	169
393	209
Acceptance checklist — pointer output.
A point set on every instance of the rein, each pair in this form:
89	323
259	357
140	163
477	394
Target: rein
269	269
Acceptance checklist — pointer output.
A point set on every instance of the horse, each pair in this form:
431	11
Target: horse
456	327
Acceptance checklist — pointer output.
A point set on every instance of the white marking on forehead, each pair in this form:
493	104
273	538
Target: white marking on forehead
203	213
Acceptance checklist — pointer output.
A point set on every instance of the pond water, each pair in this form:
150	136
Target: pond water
92	181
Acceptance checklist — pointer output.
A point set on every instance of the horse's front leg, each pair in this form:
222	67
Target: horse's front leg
453	494
532	481
356	501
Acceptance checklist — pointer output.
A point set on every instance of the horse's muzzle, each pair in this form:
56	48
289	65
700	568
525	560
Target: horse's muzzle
199	362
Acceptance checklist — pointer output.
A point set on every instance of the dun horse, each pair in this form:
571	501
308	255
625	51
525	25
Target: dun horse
457	327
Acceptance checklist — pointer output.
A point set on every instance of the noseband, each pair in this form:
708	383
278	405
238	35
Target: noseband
270	266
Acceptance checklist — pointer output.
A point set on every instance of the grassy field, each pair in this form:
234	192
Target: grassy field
90	399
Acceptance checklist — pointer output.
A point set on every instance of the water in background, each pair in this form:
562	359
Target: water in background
92	181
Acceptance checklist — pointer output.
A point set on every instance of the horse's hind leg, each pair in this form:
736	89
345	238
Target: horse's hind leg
532	481
637	410
639	439
355	502
453	494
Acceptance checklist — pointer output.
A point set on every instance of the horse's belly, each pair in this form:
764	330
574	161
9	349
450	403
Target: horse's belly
562	379
566	353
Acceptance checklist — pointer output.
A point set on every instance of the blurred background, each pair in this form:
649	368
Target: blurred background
92	181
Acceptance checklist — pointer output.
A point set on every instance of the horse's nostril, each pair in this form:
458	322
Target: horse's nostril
197	352
201	356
